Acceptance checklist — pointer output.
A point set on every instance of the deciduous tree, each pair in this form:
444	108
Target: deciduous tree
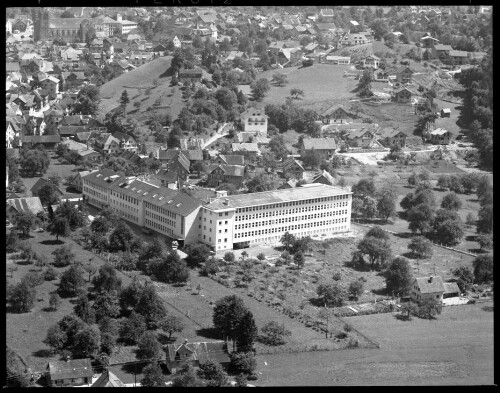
399	276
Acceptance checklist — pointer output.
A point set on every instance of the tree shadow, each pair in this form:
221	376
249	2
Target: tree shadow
471	238
52	242
134	368
48	309
477	251
381	291
401	317
164	340
42	353
409	255
24	263
210	333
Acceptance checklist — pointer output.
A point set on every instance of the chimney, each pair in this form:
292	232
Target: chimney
185	341
430	279
221	193
225	201
68	358
118	18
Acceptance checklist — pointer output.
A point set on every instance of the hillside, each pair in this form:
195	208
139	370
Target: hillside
323	85
136	82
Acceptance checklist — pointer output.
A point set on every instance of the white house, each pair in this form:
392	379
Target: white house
255	120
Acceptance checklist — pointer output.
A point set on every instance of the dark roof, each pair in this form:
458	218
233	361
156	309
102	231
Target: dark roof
108	380
235	159
39	184
451	287
167	176
31	204
71	120
324	175
40	139
190	72
70	130
171	154
229	170
131	156
76	368
427	286
83	136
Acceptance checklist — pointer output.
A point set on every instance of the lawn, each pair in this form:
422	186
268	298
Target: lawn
323	85
416	352
55	168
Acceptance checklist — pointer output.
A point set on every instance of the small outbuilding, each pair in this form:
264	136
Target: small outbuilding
445	112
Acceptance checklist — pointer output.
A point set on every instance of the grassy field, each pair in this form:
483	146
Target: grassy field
416	352
323	85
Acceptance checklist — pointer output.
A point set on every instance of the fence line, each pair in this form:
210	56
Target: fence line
371	341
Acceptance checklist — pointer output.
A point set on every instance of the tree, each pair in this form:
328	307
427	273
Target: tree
229	257
421	247
25	220
420	218
242	362
259	89
274	333
35	161
278	147
451	201
54	301
386	202
121	238
87	102
63	256
287	240
132	328
378	233
71	281
90	269
443	182
485	241
171	324
56	338
149	347
84	310
153	376
186	377
483	268
356	288
124	100
228	312
22	297
484	222
12	242
280	79
470	219
87	342
299	260
369	207
364	188
377	250
107	280
67	14
130	295
399	276
449	231
48	194
262	182
246	332
465	278
150	306
409	308
59	227
197	254
296	92
172	269
214	373
363	89
332	294
18	374
106	304
429	308
310	158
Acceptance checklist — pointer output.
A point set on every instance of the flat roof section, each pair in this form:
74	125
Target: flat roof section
276	196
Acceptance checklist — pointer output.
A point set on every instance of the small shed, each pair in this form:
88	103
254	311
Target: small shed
451	289
74	372
445	112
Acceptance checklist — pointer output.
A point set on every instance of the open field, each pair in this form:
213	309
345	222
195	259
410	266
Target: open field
323	85
416	352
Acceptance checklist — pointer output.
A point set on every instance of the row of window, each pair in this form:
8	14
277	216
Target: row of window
160	218
125	215
290	219
161	210
294	203
125	197
158	227
125	206
290	211
95	193
289	228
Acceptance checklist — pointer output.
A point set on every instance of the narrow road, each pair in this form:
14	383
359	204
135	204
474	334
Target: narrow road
222	131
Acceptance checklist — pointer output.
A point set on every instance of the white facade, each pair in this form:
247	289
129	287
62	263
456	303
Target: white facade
255	120
314	211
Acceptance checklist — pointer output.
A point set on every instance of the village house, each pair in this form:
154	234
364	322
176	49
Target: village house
428	42
127	142
352	39
338	60
459	57
222	173
440	136
35	189
371	61
391	137
324	148
77	183
424	288
18	205
190	75
402	95
254	120
108	380
74	372
106	143
404	74
168	179
441	51
48	141
83	151
291	168
196	353
360	138
251	148
236	159
335	115
324	178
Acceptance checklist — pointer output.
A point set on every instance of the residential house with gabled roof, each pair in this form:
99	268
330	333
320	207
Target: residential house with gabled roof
459	57
391	137
423	288
131	157
324	148
404	74
222	173
402	95
440	136
236	159
252	148
41	182
428	42
76	183
196	353
290	56
336	115
360	137
255	120
326	14
324	178
351	39
190	75
83	150
18	205
48	141
108	380
127	142
371	61
290	168
168	179
74	372
106	143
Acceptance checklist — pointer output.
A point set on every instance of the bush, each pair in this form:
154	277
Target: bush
51	274
274	333
341	335
242	362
